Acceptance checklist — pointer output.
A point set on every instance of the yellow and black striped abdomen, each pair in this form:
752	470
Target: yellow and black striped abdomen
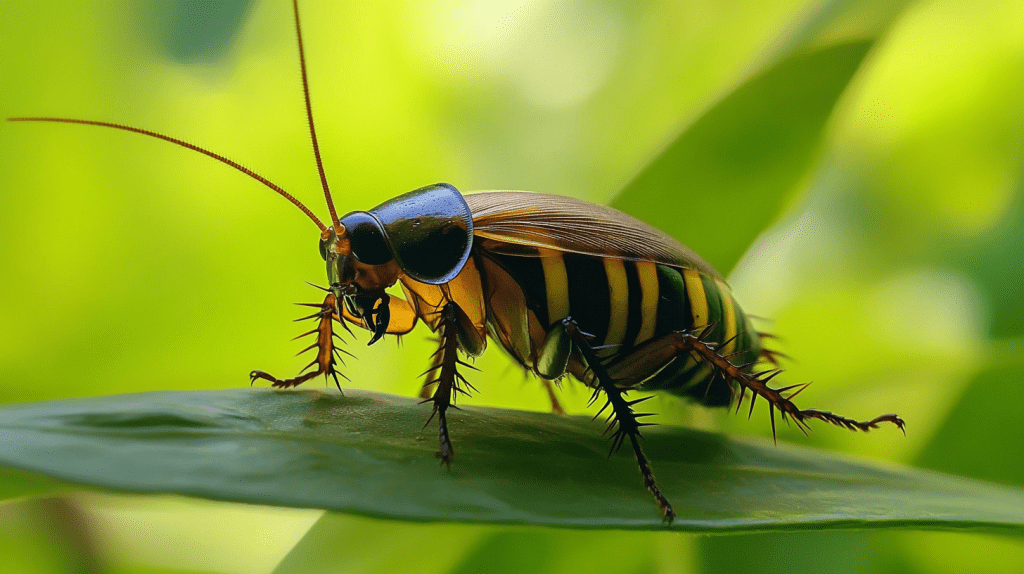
629	306
691	301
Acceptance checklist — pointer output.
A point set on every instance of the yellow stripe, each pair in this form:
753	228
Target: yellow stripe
556	284
730	316
698	300
618	297
648	274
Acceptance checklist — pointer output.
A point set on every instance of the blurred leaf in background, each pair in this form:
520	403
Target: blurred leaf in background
891	270
742	159
194	31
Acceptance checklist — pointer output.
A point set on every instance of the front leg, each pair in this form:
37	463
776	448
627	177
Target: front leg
327	353
622	414
445	364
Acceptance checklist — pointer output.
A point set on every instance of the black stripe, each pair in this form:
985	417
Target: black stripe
589	301
529	274
635	319
674	312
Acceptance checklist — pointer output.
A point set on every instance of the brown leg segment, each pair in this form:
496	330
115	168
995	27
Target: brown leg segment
695	343
622	414
445	362
556	406
327	352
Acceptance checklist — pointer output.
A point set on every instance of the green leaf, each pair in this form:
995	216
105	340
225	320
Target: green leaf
729	175
365	453
16	483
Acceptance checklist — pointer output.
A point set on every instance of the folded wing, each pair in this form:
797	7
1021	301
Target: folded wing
506	221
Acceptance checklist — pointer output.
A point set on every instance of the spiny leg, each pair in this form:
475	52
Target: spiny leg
445	363
696	343
622	414
327	352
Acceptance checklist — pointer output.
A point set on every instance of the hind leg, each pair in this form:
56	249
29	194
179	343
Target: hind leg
737	375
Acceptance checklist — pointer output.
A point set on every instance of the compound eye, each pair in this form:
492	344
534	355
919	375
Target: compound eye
367	237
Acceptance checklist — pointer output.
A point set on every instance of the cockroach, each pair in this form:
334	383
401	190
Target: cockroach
562	285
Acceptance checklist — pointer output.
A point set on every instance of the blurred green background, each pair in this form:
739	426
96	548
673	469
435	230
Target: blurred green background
892	269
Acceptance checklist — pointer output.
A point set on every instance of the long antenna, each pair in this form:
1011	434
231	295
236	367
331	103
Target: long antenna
312	129
192	147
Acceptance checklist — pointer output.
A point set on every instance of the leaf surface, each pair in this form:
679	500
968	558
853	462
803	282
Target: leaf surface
365	453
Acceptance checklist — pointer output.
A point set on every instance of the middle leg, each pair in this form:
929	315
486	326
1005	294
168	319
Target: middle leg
622	414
